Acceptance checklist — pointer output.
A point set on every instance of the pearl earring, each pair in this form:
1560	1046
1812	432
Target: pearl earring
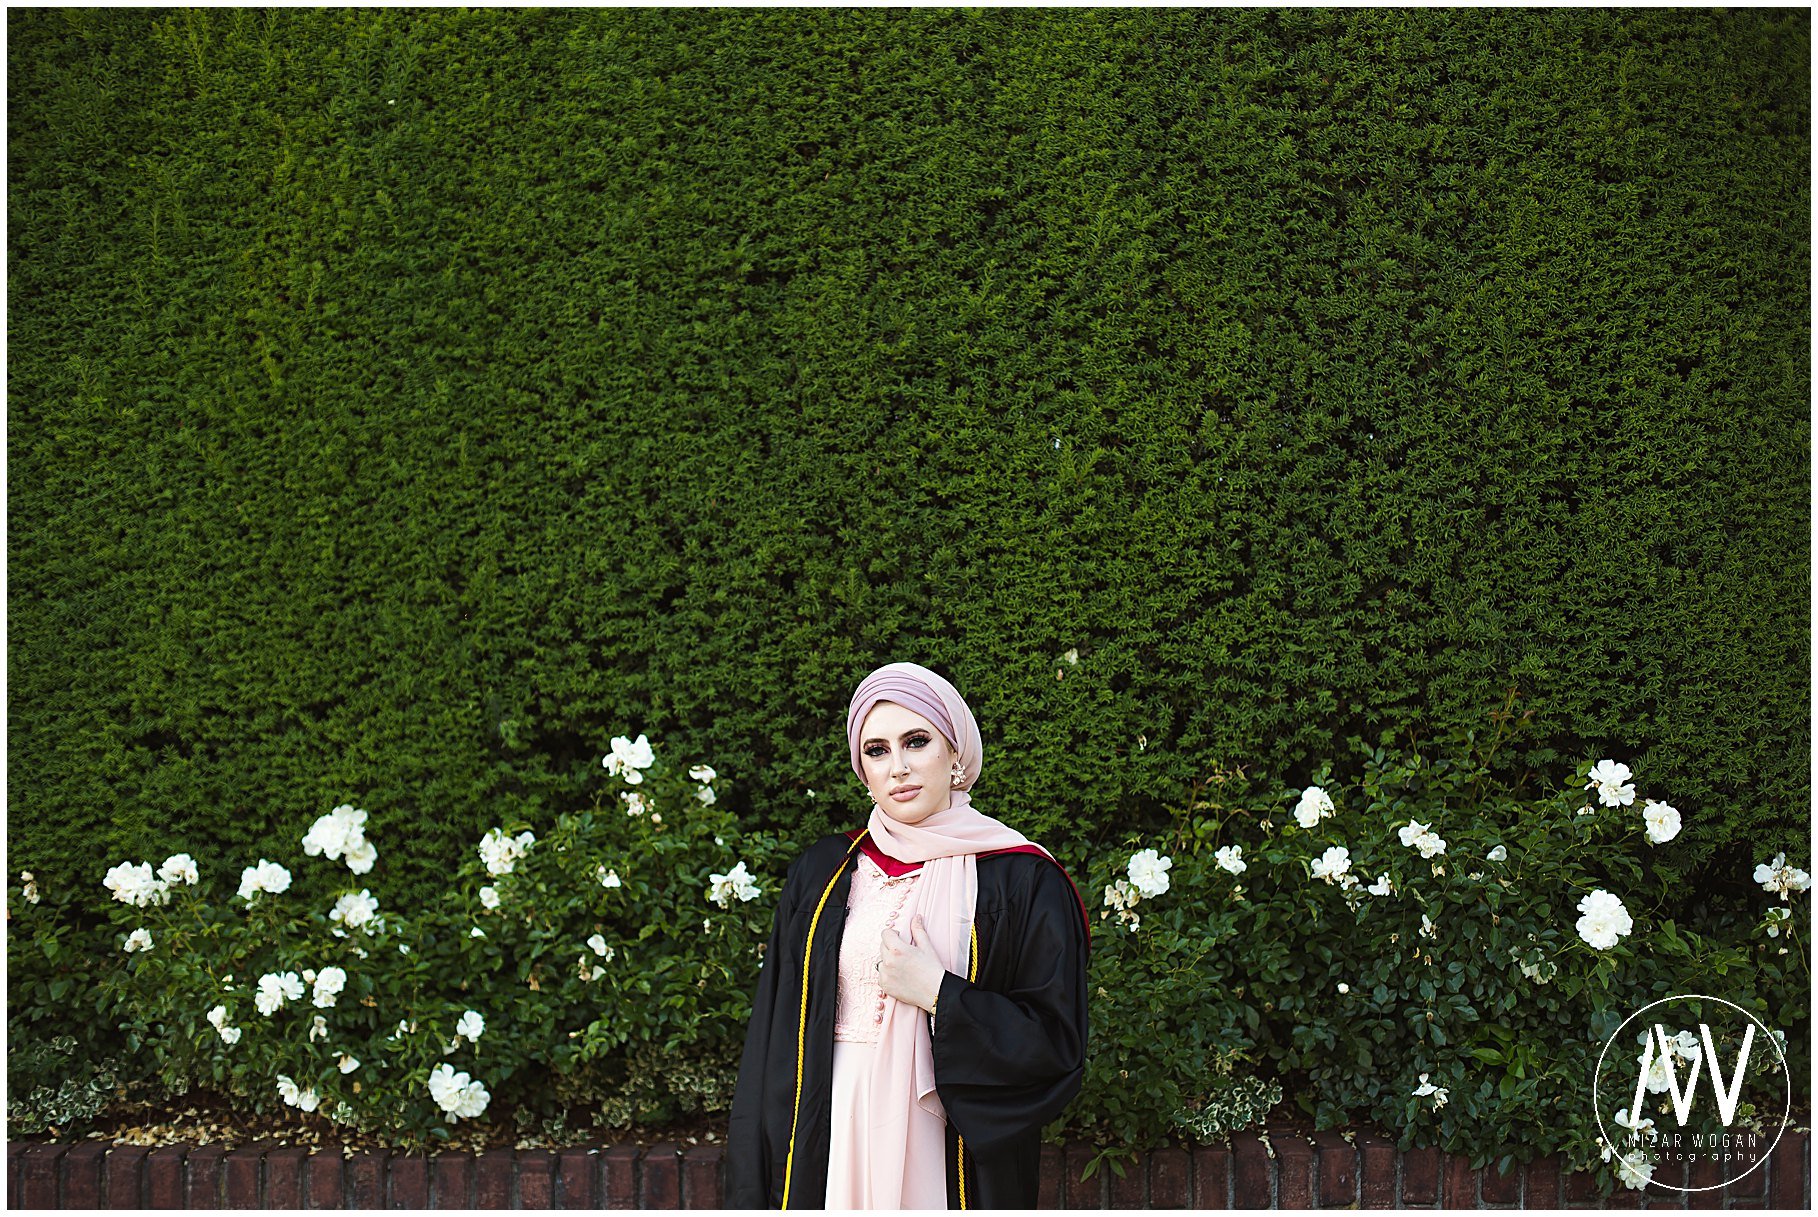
959	773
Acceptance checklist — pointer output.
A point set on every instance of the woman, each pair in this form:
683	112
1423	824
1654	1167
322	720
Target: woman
921	1009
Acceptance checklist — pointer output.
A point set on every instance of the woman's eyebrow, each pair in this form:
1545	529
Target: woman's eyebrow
905	735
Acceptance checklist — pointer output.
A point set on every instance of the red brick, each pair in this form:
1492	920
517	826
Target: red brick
1211	1177
1083	1193
1657	1196
1337	1170
240	1178
40	1191
82	1175
1624	1198
284	1177
1420	1177
1702	1179
701	1176
1541	1186
492	1179
164	1177
1580	1187
407	1180
366	1179
449	1178
1252	1182
576	1176
15	1168
618	1167
1128	1190
1497	1188
1377	1161
1295	1167
325	1172
202	1188
1048	1193
124	1177
1168	1178
1459	1182
1789	1171
662	1182
536	1172
1741	1183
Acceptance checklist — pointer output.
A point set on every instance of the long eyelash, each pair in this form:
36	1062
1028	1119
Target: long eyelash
914	739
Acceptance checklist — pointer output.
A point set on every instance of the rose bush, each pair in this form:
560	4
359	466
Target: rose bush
1408	947
559	973
1402	943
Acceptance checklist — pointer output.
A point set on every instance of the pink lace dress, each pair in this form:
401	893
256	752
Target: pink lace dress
875	903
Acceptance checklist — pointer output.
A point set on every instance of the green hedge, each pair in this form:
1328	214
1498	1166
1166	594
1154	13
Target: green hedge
402	402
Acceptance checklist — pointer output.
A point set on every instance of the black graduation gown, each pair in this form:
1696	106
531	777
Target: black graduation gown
1009	1045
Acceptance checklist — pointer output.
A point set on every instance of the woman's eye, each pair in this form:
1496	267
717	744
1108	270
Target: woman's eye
877	750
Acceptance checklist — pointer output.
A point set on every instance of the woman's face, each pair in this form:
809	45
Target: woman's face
898	749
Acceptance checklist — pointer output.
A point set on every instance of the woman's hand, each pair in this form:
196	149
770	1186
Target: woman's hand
908	969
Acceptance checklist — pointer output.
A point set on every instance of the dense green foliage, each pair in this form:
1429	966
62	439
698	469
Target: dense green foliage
398	398
402	402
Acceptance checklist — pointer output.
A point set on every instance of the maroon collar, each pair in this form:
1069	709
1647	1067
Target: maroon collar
890	866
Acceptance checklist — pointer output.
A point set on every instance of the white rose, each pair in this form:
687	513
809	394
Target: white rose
132	883
1231	858
1778	878
355	909
178	868
138	940
1149	873
1315	805
489	897
1605	920
1609	778
1662	821
737	882
1439	1093
1332	864
471	1025
628	759
275	988
1412	831
1634	1169
329	983
265	877
361	857
1499	854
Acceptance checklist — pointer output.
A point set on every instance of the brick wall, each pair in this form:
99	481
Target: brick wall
1285	1172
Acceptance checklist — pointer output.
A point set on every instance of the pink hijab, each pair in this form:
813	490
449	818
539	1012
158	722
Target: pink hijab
945	896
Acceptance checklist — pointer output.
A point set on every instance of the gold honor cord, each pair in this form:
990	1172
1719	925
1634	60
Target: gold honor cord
971	976
801	1024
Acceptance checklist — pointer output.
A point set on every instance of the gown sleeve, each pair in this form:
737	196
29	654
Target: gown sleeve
1008	1058
749	1133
